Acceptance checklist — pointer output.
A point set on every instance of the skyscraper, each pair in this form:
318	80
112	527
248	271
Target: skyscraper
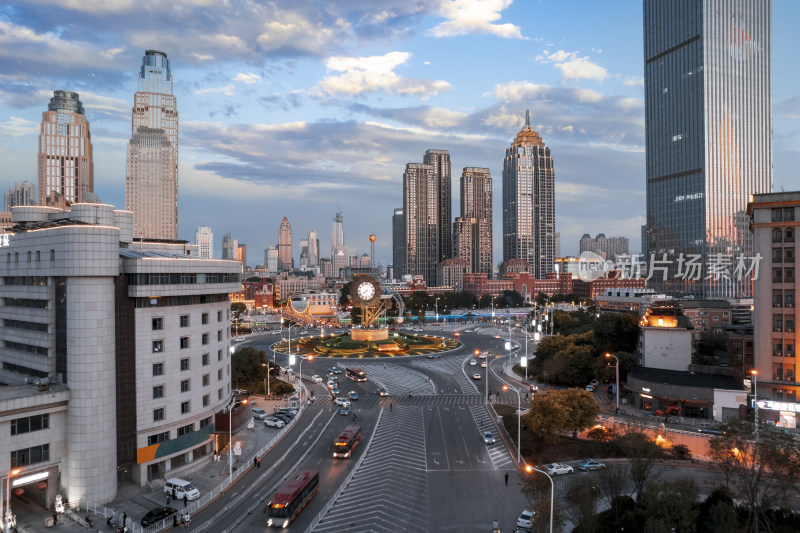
271	259
398	243
313	249
285	261
339	257
708	122
65	165
21	193
421	217
440	161
151	183
472	231
230	248
204	238
529	224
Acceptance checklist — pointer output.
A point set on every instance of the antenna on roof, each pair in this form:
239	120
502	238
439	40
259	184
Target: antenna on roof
527	117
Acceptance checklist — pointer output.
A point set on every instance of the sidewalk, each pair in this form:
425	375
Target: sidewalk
136	501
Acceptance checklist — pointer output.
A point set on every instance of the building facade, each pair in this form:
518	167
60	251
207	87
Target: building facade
65	163
451	272
473	243
285	259
708	134
529	202
398	243
439	160
21	193
230	248
149	187
339	257
204	239
608	247
421	217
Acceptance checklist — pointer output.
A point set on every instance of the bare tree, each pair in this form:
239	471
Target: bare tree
641	454
580	505
612	482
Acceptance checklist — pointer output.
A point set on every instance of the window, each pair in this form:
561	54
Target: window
204	338
777	235
158	323
185	430
185	407
158	391
206	380
29	456
185	364
219	375
184	321
219	355
158	437
204	318
205	422
158	346
219	335
205	401
158	369
777	215
185	385
30	423
205	359
158	414
219	313
219	394
184	342
788	214
789	236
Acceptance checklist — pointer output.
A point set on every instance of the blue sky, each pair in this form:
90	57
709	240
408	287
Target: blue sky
306	108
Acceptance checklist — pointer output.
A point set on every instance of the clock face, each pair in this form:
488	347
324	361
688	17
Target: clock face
366	291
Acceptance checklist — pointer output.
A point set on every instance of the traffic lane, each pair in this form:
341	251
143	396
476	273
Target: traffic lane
332	473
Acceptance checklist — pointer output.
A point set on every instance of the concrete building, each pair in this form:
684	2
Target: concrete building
271	259
21	193
285	259
65	163
439	160
607	247
204	239
451	272
241	255
472	231
529	223
339	257
230	248
115	356
421	217
398	243
151	181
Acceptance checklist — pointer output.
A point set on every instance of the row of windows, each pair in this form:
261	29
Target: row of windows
25	302
170	301
181	279
29	456
158	390
158	345
184	430
25	280
159	414
24	370
38	350
38	256
30	423
22	324
158	368
783	214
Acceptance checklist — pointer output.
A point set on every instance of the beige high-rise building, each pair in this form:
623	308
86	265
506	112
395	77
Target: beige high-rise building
472	231
151	184
285	261
66	168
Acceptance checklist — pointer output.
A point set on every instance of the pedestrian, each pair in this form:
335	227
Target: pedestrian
188	519
183	520
185	501
174	494
174	520
390	407
255	461
259	462
55	518
124	519
167	500
506	476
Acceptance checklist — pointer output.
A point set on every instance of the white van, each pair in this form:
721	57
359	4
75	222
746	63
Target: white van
182	488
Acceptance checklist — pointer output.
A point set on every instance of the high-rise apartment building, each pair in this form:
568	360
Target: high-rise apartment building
708	134
608	247
421	217
271	259
529	225
21	193
472	231
440	161
313	249
285	261
65	164
241	254
204	239
230	248
398	243
339	257
151	183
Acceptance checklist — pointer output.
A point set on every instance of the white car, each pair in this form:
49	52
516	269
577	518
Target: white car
342	402
556	469
473	362
272	422
316	379
258	413
483	364
526	519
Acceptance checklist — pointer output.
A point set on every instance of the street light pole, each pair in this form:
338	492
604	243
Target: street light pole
616	385
530	469
230	438
754	373
519	419
7	517
437	308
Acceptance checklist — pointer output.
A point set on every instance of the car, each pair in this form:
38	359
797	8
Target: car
241	392
591	464
282	417
304	332
498	337
476	376
473	362
287	412
352	395
334	390
344	411
526	518
317	379
483	364
435	356
272	422
556	469
488	438
335	370
710	431
383	392
258	413
159	513
482	355
590	387
342	402
594	382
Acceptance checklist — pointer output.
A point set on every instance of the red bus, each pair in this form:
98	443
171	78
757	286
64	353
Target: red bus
347	441
292	497
356	374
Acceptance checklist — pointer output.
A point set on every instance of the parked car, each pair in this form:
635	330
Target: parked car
182	488
591	464
383	392
287	412
488	438
283	417
526	519
258	413
556	469
352	395
272	422
159	513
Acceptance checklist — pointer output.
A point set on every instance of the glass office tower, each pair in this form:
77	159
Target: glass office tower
708	104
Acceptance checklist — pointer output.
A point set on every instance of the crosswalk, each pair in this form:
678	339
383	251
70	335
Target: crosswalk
398	379
389	492
497	452
451	366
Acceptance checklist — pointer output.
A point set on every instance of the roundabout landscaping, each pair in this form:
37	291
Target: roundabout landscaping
399	344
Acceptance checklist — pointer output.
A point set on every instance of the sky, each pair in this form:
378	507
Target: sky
306	108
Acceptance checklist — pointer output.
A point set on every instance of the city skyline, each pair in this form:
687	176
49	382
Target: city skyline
393	84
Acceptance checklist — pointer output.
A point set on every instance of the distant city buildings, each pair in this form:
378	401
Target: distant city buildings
241	254
271	259
21	193
529	202
151	181
398	243
230	248
204	239
472	231
439	160
339	257
65	164
608	247
285	259
708	134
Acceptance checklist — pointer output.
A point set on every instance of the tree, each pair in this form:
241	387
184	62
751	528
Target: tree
580	505
344	294
617	332
557	412
511	299
246	364
536	488
671	506
710	348
237	308
641	454
611	482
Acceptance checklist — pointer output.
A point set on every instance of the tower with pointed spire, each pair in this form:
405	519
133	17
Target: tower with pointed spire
529	226
285	261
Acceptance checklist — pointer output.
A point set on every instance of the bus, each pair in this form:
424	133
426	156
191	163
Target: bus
345	443
356	374
291	498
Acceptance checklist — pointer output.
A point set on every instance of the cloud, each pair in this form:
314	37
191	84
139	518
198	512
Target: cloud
573	67
228	90
110	107
292	31
376	74
789	108
248	78
18	127
202	57
463	17
633	81
427	117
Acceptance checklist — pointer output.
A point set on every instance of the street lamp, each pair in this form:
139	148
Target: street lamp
754	373
437	308
530	469
519	418
7	518
230	437
616	366
300	371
